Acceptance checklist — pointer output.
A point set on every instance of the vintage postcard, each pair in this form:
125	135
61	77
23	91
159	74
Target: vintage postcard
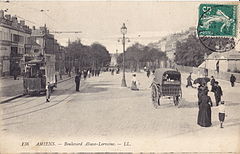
119	76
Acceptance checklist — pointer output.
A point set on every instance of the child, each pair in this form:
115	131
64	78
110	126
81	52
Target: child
221	113
48	92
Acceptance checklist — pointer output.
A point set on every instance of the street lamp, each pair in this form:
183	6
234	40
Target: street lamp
124	32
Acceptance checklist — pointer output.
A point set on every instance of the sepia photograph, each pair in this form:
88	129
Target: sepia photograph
119	76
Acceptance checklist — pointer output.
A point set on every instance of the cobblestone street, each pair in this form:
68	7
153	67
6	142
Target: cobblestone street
103	111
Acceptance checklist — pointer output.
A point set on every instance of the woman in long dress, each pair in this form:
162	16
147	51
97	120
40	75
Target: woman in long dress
204	113
135	83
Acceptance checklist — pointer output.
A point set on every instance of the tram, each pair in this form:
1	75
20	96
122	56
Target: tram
38	72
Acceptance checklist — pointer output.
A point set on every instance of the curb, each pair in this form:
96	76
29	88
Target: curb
21	95
12	98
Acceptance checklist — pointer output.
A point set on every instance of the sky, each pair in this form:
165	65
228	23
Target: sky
101	21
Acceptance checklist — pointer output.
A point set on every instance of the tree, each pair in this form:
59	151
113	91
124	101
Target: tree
137	54
83	56
190	52
100	55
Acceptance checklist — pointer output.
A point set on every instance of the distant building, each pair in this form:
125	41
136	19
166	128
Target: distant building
60	58
113	61
226	62
44	39
171	42
13	38
32	50
168	43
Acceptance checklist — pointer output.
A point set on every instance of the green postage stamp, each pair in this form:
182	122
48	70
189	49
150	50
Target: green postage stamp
217	20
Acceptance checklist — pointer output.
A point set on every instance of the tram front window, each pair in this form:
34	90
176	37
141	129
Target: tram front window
33	72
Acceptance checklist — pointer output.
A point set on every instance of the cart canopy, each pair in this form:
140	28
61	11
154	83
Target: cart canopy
166	74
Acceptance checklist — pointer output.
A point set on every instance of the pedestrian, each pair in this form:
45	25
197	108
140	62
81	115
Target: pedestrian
145	68
135	83
15	75
85	72
153	71
99	72
48	92
93	72
202	89
89	73
204	113
148	73
212	83
117	71
96	72
217	66
77	81
56	81
232	80
112	71
16	72
221	114
189	80
217	92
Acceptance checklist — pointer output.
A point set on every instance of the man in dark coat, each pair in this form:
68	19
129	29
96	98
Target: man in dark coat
85	74
212	82
148	73
77	81
217	93
232	80
189	80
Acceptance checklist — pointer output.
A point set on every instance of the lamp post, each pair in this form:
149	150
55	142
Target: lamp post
124	32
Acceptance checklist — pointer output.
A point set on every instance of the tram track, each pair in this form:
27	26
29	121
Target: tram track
11	99
36	108
17	100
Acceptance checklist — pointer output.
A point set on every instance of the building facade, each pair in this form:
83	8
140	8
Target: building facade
13	38
228	61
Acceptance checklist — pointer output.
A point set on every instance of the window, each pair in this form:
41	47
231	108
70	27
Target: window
16	38
36	50
38	41
21	39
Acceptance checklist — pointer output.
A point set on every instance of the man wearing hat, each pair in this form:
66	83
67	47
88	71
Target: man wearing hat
217	93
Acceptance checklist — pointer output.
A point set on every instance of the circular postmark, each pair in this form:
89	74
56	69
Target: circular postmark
216	27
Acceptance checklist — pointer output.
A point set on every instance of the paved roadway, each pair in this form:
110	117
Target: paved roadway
105	112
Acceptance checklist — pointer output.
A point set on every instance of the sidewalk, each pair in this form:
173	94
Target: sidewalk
11	89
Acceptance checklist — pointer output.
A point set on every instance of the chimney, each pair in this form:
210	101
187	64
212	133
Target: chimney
8	17
14	19
1	14
22	22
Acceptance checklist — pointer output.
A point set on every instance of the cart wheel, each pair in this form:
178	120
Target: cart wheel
155	96
176	100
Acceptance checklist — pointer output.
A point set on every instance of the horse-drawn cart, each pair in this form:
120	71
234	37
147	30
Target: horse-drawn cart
166	82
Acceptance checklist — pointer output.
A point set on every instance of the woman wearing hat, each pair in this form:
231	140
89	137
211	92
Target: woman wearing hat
135	83
204	113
